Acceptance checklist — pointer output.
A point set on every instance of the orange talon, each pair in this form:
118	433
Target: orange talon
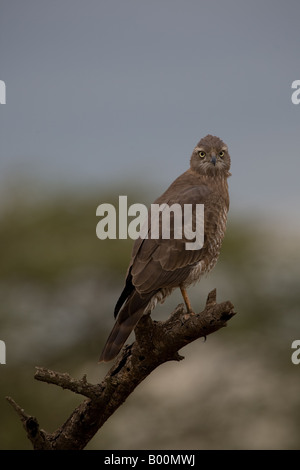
186	300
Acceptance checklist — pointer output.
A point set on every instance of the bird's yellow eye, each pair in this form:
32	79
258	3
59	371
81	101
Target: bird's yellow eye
201	154
221	154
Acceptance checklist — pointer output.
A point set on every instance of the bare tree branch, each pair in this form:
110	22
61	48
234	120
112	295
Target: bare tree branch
156	343
38	438
82	387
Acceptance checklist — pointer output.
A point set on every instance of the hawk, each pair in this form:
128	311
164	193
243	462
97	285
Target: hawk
158	266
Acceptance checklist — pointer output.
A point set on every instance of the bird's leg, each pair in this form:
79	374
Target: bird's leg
186	300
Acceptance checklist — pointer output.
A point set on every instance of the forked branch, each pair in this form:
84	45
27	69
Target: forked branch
156	343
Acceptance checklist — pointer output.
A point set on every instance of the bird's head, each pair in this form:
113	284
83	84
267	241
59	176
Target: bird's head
210	157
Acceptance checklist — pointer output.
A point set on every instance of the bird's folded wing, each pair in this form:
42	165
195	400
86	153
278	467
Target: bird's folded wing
159	263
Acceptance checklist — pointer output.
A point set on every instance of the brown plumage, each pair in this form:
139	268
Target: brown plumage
158	266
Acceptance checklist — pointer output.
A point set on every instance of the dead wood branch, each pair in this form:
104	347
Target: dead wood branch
156	343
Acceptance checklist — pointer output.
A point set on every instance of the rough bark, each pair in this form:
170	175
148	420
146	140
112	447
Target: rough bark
156	343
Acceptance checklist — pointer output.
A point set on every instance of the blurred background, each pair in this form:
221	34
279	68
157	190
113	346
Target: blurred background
107	99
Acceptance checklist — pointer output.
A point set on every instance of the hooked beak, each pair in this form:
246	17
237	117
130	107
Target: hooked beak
213	159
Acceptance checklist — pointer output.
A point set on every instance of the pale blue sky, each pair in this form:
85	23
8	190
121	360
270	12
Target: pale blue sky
98	91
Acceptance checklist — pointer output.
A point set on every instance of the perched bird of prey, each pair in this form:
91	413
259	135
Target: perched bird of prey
158	266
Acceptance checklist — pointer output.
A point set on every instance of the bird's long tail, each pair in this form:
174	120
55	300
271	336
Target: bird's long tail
127	319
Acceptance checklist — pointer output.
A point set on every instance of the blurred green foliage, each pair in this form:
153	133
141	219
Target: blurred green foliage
40	241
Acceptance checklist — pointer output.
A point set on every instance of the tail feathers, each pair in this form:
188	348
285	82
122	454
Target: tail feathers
119	335
129	287
127	319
